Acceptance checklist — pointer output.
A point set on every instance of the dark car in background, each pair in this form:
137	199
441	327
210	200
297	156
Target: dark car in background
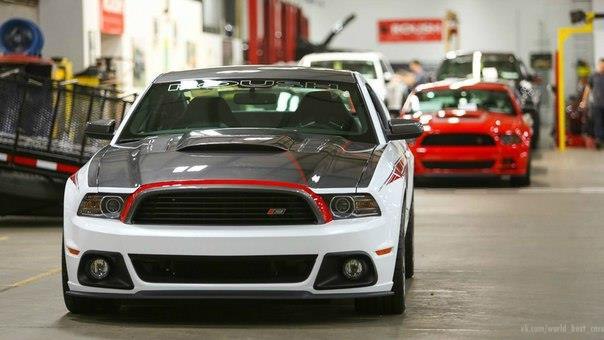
498	66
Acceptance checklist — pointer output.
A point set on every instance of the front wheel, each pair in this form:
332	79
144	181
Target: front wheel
409	245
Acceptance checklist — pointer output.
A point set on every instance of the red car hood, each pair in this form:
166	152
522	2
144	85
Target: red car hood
453	120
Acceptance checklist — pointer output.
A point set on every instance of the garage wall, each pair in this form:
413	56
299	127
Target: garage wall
598	36
164	39
519	26
11	10
62	22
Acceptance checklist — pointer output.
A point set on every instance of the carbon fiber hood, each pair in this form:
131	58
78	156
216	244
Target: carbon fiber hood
318	161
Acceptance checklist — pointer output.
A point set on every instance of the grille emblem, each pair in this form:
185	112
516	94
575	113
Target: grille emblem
276	211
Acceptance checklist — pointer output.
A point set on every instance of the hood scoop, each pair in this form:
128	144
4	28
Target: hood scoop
461	114
239	143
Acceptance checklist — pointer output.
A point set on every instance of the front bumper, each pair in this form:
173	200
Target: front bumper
364	235
225	294
471	161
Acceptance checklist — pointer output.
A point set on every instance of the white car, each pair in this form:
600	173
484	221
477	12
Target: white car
244	182
372	65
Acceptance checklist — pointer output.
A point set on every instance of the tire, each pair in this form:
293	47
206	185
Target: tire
409	245
524	180
395	303
80	305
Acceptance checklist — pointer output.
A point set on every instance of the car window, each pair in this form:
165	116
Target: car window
379	107
326	108
523	70
430	101
364	67
461	66
506	66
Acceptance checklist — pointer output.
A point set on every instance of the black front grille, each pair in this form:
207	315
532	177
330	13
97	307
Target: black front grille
232	207
458	164
458	139
223	269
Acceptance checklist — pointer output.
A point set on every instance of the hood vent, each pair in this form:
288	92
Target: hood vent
231	147
235	143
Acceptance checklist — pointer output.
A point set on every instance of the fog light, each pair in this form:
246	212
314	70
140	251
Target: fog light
353	269
508	163
98	268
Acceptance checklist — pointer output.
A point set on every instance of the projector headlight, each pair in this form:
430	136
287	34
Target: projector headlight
353	205
101	205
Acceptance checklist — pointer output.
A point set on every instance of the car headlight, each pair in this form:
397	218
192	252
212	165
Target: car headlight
510	139
353	205
101	205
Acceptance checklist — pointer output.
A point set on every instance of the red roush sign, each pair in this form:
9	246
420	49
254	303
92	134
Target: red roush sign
402	30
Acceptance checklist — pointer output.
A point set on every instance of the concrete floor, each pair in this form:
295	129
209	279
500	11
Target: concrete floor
491	262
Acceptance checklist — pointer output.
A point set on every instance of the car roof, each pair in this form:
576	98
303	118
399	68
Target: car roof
463	84
344	56
455	54
260	72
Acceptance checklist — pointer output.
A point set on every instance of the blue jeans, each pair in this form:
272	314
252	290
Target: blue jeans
597	114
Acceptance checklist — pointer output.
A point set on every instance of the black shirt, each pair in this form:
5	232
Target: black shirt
596	84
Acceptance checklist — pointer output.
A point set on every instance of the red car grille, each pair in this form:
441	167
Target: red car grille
458	139
462	165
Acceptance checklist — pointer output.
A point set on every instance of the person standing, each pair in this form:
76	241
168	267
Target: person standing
421	77
595	88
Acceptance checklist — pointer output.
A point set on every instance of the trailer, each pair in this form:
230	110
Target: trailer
42	139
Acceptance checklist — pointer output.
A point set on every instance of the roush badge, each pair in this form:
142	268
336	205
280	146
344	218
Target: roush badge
276	211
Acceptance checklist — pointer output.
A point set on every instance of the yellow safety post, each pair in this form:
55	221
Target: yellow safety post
563	34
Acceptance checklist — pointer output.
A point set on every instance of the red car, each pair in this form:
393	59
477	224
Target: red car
471	129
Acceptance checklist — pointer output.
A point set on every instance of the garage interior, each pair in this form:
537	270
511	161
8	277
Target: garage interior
491	260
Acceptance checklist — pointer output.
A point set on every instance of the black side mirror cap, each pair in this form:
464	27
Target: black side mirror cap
100	129
405	129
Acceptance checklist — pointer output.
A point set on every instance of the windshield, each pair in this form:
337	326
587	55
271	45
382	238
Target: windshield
364	67
303	106
468	100
461	67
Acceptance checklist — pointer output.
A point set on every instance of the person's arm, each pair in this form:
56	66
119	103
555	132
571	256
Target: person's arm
586	92
585	98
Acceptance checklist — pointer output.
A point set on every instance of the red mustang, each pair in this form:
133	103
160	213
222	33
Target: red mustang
471	128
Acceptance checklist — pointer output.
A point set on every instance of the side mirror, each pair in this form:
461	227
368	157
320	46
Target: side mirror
405	129
100	129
